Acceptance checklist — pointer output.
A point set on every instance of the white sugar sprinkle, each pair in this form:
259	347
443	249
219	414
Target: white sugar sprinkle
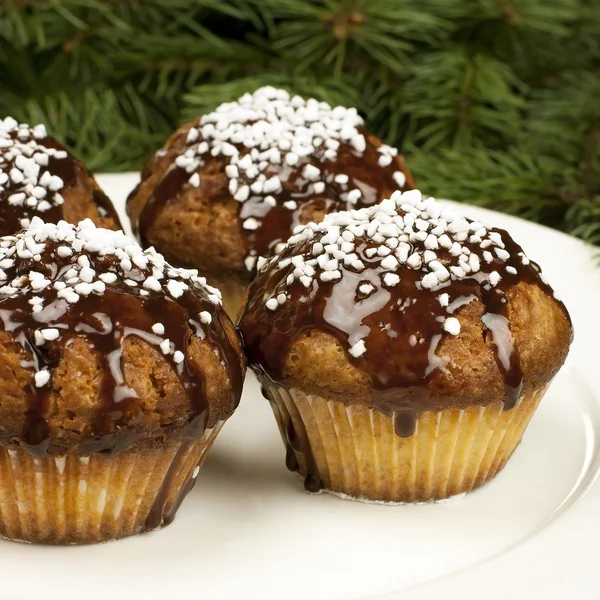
358	349
251	224
152	283
269	128
494	278
194	180
158	328
311	172
42	378
391	279
383	237
205	317
23	154
75	266
452	325
272	303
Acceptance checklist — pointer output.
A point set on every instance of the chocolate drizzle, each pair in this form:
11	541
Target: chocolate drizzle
388	316
158	515
392	332
105	318
293	444
506	352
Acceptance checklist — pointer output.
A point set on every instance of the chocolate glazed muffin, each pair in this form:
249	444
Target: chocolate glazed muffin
403	348
38	177
117	371
232	185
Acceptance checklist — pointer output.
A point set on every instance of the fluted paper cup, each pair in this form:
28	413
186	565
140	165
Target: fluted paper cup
352	450
85	499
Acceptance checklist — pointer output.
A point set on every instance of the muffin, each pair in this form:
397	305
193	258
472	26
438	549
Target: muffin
232	185
117	371
403	349
38	177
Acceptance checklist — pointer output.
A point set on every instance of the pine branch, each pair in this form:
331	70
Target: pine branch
477	98
494	101
331	33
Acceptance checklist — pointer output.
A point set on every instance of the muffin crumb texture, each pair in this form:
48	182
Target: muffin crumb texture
105	346
38	177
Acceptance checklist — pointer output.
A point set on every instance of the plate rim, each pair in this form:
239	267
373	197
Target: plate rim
546	564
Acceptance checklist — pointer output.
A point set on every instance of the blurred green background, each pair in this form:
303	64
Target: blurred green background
494	102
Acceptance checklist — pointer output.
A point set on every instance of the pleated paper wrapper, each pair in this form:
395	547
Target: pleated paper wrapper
86	499
356	452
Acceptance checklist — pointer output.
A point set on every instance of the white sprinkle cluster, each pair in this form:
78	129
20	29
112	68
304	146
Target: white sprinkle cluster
264	132
408	231
24	177
84	247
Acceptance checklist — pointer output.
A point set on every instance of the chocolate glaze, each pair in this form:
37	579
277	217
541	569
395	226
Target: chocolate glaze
167	190
65	168
105	321
69	169
374	181
400	371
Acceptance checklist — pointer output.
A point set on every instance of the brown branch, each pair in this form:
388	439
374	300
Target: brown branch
70	45
509	12
343	24
557	77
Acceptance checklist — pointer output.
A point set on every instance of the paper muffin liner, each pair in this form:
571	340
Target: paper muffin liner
233	294
85	499
352	450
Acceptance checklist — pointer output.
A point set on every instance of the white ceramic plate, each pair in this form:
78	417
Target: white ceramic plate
248	530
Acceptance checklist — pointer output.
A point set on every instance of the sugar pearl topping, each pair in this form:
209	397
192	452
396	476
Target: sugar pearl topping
35	172
408	231
280	152
390	282
56	267
25	179
62	284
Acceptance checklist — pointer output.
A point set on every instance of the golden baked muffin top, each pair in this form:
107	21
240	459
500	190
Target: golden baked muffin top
104	345
232	185
38	177
405	305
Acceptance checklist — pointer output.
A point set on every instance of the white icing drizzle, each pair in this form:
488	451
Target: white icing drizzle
502	337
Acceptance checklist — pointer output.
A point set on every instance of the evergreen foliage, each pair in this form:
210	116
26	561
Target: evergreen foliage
494	102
